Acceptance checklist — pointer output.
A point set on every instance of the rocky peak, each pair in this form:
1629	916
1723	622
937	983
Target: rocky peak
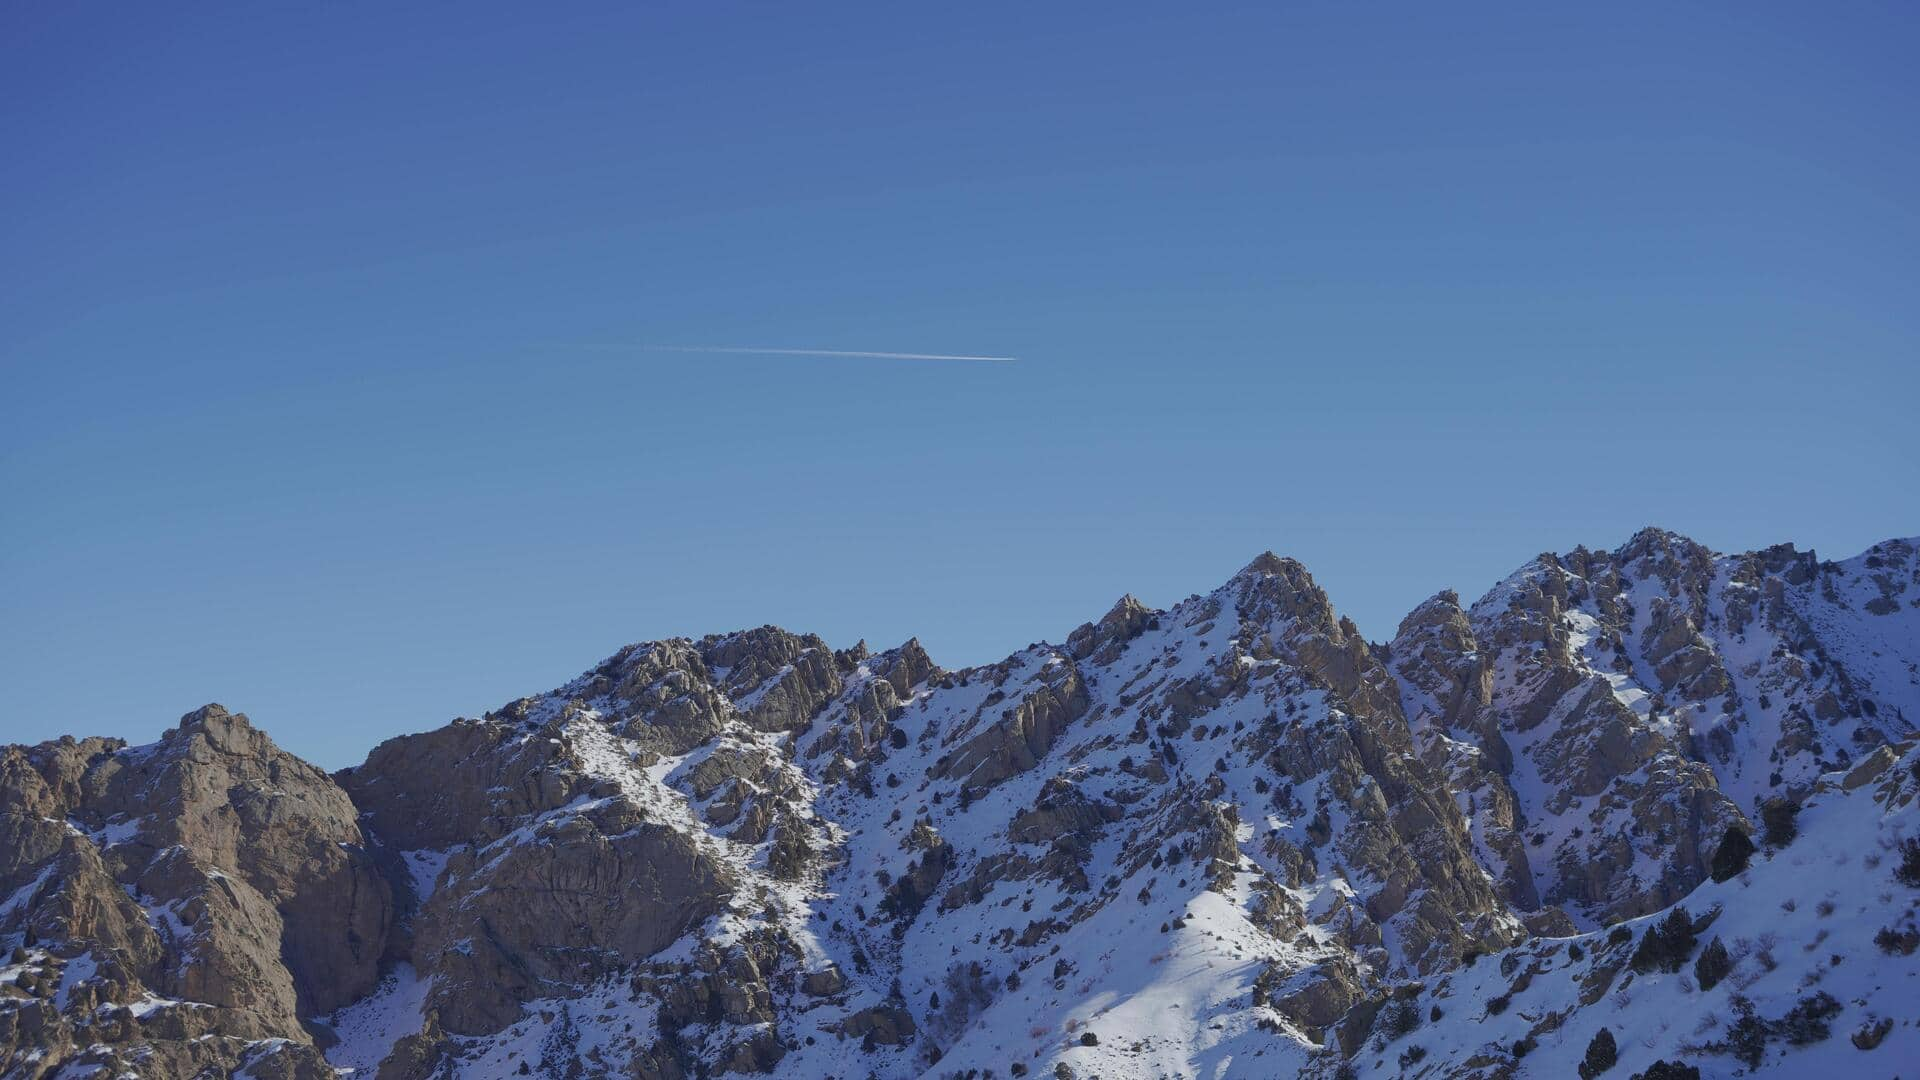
1122	623
1268	564
1273	589
1437	659
1439	609
778	679
906	667
227	732
1662	546
1284	615
210	878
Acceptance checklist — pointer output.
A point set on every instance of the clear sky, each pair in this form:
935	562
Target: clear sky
298	415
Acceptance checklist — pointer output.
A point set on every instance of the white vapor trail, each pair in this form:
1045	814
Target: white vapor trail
745	350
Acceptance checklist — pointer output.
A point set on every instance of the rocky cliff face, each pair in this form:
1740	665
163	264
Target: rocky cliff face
1228	831
1609	715
181	906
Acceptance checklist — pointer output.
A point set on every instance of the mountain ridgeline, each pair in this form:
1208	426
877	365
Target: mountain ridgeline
1642	812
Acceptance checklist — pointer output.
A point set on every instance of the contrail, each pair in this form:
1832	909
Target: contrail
745	350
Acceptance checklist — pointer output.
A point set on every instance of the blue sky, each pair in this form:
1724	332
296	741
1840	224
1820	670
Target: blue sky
297	417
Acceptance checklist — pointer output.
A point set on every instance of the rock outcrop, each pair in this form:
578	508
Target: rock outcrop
207	884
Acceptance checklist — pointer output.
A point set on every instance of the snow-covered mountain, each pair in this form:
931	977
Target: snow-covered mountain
1228	838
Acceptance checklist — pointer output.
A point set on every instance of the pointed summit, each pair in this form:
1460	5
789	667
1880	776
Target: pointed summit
1267	564
1276	587
1122	623
229	732
1441	608
1654	540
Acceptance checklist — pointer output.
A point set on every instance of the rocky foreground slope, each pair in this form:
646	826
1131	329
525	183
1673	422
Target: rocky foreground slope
1229	838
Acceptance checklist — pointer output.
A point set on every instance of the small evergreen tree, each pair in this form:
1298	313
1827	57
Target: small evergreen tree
1908	872
1666	946
1777	819
1733	854
1602	1052
1677	928
1713	965
1401	1018
1746	1037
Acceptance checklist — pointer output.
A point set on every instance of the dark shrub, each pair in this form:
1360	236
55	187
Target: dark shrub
1412	1056
1400	1018
1900	942
1089	1039
1602	1052
1733	854
1669	1070
1496	1006
1524	1047
1776	819
1713	965
1808	1020
1747	1036
1908	872
1872	1032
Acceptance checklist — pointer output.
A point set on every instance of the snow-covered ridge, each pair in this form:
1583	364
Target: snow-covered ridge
1218	839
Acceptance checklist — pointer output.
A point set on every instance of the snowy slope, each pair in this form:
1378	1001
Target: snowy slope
1799	922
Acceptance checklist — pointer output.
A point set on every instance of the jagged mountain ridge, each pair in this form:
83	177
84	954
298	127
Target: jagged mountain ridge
1658	689
1224	830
